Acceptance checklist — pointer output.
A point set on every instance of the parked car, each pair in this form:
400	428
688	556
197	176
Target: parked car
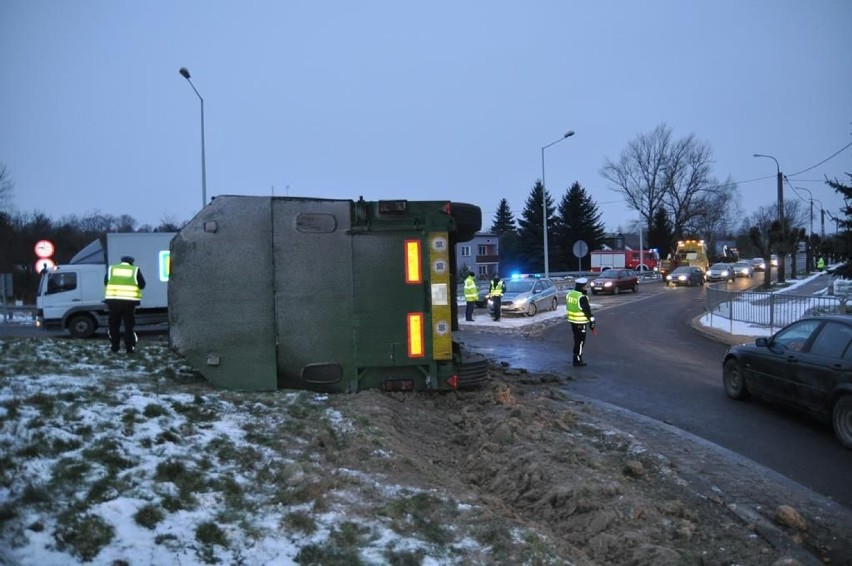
614	281
720	272
806	365
528	296
685	275
743	269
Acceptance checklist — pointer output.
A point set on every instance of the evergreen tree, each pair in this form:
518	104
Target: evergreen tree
661	235
530	233
504	220
577	219
845	223
504	227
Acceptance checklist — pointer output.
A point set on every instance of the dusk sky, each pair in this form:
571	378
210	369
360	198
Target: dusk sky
423	101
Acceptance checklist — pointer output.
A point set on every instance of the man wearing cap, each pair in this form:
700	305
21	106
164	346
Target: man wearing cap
579	314
124	283
498	287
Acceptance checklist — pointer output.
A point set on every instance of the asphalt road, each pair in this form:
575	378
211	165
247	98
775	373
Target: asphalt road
648	359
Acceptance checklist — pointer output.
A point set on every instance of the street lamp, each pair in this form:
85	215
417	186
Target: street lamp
185	74
780	179
567	134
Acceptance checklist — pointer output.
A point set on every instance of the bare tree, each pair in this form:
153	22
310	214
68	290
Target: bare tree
760	226
640	174
655	170
688	181
7	189
714	211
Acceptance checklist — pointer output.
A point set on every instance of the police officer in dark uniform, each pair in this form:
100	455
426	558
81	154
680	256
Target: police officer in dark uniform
124	283
498	287
579	314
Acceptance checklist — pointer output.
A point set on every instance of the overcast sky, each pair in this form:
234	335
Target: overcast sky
424	101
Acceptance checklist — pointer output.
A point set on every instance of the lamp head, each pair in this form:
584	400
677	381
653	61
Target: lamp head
185	72
568	134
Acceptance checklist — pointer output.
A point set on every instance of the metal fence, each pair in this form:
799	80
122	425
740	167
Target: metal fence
772	310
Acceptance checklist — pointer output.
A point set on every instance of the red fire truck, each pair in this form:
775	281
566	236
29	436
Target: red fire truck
626	258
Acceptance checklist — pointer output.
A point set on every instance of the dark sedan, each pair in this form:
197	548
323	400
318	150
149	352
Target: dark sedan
614	281
806	365
685	275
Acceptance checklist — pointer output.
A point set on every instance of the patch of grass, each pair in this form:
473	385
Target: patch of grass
84	534
209	534
168	436
195	412
341	549
8	468
188	482
108	452
148	516
422	515
8	511
45	404
154	410
300	521
35	494
68	473
107	488
403	557
12	409
62	445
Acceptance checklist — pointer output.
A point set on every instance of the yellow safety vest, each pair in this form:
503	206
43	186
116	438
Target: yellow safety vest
122	283
496	289
471	293
574	313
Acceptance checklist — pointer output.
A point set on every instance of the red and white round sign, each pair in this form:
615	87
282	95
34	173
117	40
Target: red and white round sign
44	248
44	263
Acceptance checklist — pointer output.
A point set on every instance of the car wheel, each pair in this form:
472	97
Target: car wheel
734	380
615	290
842	420
554	304
531	309
635	287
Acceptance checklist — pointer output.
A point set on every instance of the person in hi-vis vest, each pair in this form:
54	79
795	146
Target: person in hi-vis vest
124	283
579	314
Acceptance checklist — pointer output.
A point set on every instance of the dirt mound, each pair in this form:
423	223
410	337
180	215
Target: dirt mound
600	488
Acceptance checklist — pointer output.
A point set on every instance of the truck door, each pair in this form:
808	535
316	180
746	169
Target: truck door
58	292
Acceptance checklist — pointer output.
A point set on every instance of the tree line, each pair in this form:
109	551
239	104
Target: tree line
666	180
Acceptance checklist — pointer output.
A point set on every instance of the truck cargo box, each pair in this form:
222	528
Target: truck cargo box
320	294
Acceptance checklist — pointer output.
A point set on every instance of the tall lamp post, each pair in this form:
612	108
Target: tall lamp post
780	179
567	134
185	74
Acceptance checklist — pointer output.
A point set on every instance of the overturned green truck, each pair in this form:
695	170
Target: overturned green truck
327	295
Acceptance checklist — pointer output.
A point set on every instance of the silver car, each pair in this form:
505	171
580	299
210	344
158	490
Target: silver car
528	296
720	272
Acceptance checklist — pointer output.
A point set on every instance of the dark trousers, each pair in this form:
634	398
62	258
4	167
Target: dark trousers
122	312
468	310
579	331
496	302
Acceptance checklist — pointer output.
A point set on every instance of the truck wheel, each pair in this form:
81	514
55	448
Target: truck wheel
842	420
81	326
468	220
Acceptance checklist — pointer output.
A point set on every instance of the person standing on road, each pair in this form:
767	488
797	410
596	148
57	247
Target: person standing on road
124	283
471	295
820	263
498	287
578	311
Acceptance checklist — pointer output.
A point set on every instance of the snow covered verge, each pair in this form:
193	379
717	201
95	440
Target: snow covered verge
116	459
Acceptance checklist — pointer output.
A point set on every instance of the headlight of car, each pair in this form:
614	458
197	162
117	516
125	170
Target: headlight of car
608	284
682	277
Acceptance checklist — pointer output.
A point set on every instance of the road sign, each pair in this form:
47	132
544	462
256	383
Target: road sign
581	248
44	263
44	248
